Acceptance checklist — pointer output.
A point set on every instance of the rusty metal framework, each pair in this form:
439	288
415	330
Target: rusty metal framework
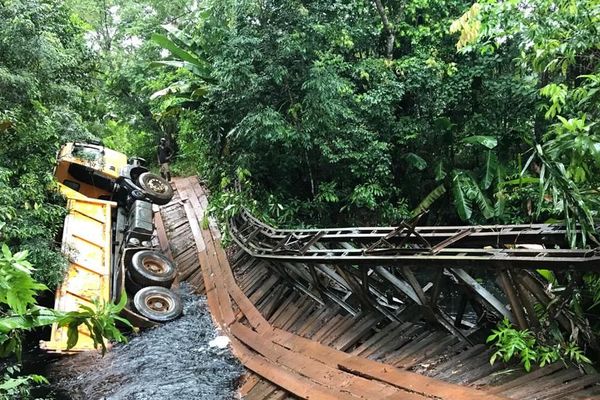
484	246
382	268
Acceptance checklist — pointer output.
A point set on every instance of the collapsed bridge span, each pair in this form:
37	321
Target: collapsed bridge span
328	329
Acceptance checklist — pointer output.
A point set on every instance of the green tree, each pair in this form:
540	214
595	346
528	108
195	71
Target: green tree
556	48
118	33
44	72
347	112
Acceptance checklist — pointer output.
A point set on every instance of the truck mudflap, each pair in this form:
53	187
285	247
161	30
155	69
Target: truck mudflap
87	244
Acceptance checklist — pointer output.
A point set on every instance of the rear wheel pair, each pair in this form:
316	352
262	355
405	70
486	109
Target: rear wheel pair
149	276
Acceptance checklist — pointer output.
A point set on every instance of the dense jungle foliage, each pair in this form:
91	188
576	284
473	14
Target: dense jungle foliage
354	113
328	112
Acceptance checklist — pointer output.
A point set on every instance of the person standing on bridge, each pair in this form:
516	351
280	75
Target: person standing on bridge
164	152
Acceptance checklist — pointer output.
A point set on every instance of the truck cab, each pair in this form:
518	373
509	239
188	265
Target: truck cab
98	172
109	239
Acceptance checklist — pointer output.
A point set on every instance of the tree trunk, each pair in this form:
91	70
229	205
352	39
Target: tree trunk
391	37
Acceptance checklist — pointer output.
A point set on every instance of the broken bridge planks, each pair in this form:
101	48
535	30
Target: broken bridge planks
297	369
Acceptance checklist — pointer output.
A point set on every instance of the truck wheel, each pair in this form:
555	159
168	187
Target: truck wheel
151	268
155	188
158	304
131	285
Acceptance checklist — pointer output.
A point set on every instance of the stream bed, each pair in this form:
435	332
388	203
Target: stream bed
184	359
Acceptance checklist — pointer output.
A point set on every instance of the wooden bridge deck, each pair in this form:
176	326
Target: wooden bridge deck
296	347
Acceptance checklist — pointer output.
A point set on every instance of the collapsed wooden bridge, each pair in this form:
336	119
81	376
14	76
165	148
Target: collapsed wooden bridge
344	313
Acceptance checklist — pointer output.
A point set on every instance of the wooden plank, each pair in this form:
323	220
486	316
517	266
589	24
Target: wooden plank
263	389
210	288
391	346
250	381
254	317
263	290
278	395
326	375
210	250
314	319
352	336
272	301
281	308
410	352
162	235
474	368
446	366
298	315
533	388
339	330
411	344
288	380
329	325
391	329
284	316
405	380
593	393
432	351
526	378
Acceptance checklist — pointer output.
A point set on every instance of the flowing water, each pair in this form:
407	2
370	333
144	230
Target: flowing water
184	359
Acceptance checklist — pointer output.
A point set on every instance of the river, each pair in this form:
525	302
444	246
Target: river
184	359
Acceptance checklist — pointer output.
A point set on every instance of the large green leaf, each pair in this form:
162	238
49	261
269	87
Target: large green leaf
486	141
525	180
490	168
475	193
440	173
547	275
429	199
179	34
72	334
177	51
117	308
416	161
199	71
462	203
36	317
13	383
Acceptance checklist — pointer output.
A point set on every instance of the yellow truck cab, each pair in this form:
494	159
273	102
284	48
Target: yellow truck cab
108	238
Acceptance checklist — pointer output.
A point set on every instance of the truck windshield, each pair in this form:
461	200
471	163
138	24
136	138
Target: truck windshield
87	152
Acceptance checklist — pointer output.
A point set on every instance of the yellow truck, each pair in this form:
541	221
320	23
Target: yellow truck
108	238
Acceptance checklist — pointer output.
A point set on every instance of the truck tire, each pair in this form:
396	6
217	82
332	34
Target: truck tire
131	285
156	189
158	304
151	268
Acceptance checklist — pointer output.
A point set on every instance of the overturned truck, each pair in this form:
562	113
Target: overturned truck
109	239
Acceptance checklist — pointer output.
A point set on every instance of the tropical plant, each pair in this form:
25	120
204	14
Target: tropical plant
297	93
44	69
16	386
19	313
522	344
556	43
